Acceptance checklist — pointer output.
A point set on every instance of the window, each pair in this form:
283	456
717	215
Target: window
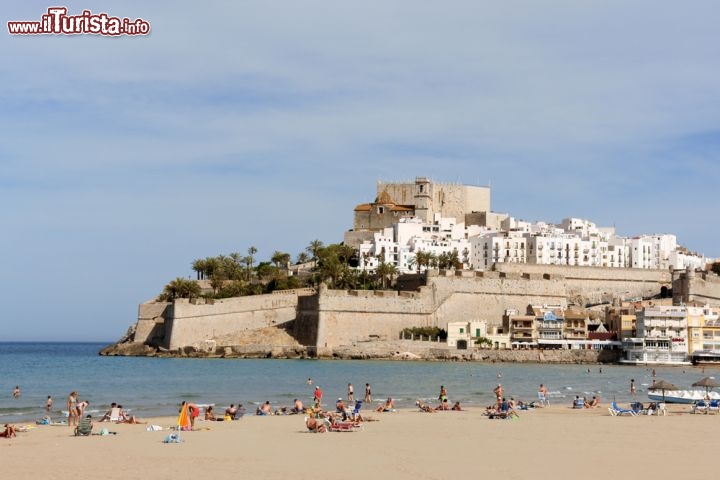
462	330
381	210
477	332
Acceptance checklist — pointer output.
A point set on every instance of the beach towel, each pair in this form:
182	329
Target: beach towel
173	438
183	421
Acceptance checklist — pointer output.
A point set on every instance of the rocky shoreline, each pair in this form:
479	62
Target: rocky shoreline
377	350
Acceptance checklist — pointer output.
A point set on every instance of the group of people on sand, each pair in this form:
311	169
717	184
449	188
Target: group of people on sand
443	406
75	408
120	415
342	419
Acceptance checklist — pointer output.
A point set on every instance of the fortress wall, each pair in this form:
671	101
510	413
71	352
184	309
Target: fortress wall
348	317
306	320
472	306
151	321
590	273
190	323
704	290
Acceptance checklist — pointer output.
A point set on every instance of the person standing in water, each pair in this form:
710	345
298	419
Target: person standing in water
632	387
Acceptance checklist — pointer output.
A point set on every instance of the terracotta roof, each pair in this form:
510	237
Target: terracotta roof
363	207
402	208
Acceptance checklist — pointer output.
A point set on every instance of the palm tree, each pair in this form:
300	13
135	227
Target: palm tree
280	259
251	251
302	257
314	248
180	288
423	259
199	267
385	271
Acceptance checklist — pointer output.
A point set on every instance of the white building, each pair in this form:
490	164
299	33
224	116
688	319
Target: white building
662	336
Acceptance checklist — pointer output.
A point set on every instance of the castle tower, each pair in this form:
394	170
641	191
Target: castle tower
423	199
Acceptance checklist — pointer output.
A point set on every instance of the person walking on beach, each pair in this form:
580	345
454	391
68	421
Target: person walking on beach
48	404
443	394
317	396
543	395
632	387
499	392
368	393
350	393
72	409
16	392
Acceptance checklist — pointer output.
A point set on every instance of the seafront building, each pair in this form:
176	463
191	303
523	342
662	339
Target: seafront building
674	334
556	326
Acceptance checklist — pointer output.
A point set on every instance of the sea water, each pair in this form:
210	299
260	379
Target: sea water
156	386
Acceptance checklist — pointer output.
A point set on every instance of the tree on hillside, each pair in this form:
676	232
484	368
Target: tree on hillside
302	257
314	248
715	268
280	259
251	252
423	259
180	288
386	271
199	266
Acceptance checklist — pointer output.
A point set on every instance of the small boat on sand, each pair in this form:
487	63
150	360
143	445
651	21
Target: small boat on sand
682	396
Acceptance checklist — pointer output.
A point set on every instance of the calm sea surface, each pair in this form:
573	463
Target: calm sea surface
155	386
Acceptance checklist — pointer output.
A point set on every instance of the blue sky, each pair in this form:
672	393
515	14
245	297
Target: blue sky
238	123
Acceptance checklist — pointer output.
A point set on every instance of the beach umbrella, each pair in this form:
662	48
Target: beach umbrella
663	385
708	383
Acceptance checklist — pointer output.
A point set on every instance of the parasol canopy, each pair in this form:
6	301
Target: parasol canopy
708	383
663	385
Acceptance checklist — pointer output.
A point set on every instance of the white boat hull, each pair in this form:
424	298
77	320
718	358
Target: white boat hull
681	396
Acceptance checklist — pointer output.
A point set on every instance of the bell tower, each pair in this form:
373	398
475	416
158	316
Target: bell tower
423	199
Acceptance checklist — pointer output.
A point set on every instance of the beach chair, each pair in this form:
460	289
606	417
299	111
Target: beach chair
84	428
714	406
638	408
115	415
700	407
616	411
355	414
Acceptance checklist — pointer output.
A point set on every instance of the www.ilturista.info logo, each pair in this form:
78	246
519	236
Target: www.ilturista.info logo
58	22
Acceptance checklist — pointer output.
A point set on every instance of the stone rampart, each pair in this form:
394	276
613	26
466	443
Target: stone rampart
150	327
189	323
332	318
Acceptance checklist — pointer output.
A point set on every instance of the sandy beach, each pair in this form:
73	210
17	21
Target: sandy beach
554	442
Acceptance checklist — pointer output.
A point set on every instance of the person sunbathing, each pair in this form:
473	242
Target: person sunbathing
265	409
108	414
209	414
231	411
297	407
9	431
444	405
456	407
84	427
388	406
313	425
425	408
131	419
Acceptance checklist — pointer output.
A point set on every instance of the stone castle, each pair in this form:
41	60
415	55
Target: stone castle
323	321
